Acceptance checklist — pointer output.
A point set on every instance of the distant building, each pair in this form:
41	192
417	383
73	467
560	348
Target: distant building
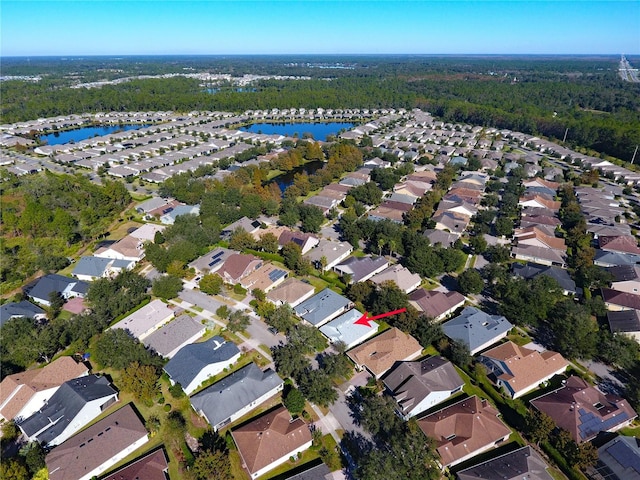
476	329
521	464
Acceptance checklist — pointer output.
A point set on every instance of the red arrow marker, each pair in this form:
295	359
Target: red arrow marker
364	320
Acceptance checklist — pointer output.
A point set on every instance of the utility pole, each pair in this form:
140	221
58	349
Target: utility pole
565	135
634	154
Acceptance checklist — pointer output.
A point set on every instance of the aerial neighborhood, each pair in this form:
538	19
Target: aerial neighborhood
225	314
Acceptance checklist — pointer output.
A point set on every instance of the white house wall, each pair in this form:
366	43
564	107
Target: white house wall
89	412
428	402
208	372
246	409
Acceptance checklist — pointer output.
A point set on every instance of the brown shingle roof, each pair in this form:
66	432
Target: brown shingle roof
526	367
92	447
291	291
620	243
32	381
381	352
270	437
584	410
149	467
238	266
622	299
434	303
463	428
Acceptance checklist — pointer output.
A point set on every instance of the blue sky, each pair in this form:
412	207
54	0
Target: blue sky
334	27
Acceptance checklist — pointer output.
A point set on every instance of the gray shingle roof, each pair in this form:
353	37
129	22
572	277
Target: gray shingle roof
92	266
20	309
64	405
560	275
173	334
191	359
225	398
321	306
474	328
56	283
517	465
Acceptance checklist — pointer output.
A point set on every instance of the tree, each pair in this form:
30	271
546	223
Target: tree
56	301
504	226
309	339
167	286
268	243
311	218
478	244
223	311
117	349
294	401
141	381
292	254
336	366
574	330
238	321
13	469
211	284
289	360
34	456
211	464
241	240
459	354
281	318
316	386
175	423
539	426
470	282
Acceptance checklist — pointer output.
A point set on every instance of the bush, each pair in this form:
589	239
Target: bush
176	391
167	407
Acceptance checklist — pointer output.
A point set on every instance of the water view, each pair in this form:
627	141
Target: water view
286	179
319	131
79	134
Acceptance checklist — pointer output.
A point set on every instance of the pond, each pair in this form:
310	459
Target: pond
286	179
319	131
79	134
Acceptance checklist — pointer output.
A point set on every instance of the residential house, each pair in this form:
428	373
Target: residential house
322	307
435	304
626	278
361	269
69	409
196	362
270	440
464	430
451	222
291	292
523	463
401	276
611	259
169	218
328	254
345	329
96	449
305	241
128	248
626	322
476	329
89	269
146	320
539	201
147	232
560	275
539	255
380	353
584	411
153	466
518	370
618	459
53	283
246	224
22	394
265	278
418	386
389	210
539	220
236	395
616	301
237	266
211	262
446	239
318	472
537	237
172	336
19	309
619	244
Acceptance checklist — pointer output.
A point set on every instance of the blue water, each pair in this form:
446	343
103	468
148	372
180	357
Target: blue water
319	131
79	134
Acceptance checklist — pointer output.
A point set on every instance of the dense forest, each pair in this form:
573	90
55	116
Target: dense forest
536	95
46	215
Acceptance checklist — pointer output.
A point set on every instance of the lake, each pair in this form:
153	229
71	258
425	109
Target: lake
79	134
319	131
286	179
